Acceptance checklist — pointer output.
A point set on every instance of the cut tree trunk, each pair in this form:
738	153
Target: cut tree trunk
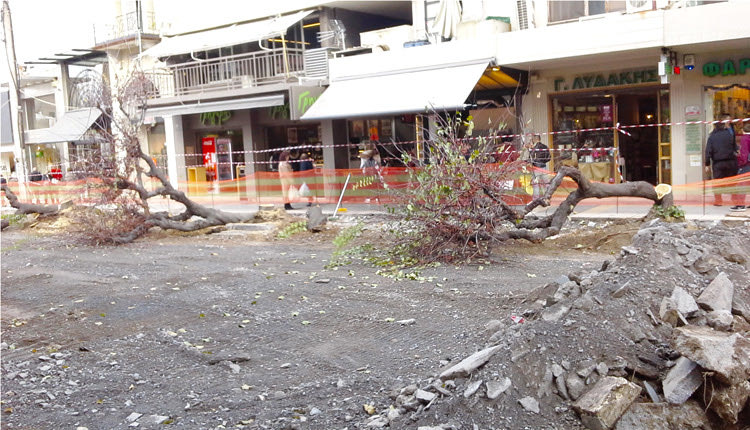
28	208
536	229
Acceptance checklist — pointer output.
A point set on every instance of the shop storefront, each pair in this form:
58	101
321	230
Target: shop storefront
280	129
586	107
214	145
718	84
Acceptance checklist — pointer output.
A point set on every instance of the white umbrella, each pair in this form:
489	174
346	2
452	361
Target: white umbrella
447	19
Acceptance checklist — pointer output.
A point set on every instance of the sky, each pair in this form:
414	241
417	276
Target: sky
43	28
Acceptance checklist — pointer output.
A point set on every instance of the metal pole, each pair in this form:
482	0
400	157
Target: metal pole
341	197
15	97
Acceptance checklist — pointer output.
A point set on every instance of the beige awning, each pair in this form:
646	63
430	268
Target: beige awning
225	37
416	91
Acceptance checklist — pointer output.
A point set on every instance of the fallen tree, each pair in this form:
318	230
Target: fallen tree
28	208
122	176
467	198
129	178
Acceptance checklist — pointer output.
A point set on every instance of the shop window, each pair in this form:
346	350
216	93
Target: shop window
364	131
566	10
578	146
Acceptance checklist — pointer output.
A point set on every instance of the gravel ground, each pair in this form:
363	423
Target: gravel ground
238	330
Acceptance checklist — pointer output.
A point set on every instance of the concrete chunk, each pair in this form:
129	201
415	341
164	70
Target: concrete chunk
685	303
726	354
663	416
469	364
425	396
728	400
602	406
718	294
720	320
495	388
682	381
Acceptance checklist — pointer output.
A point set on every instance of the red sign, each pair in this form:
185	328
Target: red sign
605	113
209	153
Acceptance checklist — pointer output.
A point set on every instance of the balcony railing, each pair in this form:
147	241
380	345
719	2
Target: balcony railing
126	25
226	73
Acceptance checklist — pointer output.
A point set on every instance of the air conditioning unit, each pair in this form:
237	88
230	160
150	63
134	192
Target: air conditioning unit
638	5
523	19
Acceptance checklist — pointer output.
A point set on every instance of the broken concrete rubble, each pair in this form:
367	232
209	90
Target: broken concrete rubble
576	337
682	381
602	406
663	416
496	388
720	320
470	363
685	302
726	354
718	294
728	400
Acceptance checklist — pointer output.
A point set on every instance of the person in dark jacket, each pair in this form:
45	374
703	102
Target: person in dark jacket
721	159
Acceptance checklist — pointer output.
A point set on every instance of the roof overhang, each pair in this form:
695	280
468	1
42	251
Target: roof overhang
70	128
77	57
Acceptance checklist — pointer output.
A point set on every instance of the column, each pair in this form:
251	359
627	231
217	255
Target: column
174	142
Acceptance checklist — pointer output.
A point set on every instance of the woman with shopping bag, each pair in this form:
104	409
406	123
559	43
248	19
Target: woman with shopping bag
287	179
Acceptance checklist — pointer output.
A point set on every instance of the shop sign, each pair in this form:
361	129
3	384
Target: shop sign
279	112
215	118
608	80
693	134
726	68
302	98
692	110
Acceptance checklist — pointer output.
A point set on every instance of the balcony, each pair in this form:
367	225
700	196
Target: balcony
126	25
226	73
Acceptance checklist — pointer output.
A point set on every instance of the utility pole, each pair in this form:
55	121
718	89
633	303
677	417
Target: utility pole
15	96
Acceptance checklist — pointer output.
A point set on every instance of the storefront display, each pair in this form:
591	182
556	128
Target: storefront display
640	154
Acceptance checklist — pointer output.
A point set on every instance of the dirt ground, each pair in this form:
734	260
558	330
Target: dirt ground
242	330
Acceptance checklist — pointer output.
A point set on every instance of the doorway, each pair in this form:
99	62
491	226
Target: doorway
640	147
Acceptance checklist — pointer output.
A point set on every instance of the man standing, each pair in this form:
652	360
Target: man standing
720	155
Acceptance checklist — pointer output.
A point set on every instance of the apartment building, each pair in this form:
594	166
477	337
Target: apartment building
332	76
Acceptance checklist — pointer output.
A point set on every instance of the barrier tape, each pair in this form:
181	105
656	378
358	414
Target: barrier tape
617	127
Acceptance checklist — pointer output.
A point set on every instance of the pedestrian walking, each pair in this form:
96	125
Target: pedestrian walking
286	177
721	159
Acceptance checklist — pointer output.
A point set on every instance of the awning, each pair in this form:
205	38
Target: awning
439	88
224	37
70	128
234	104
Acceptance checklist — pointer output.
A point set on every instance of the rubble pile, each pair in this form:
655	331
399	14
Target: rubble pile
658	338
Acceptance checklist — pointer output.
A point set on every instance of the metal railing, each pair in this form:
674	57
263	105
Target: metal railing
226	73
126	25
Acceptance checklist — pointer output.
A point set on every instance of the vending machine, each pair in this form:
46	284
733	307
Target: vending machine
224	158
209	156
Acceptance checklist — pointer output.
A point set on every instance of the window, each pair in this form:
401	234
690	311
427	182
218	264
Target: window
567	10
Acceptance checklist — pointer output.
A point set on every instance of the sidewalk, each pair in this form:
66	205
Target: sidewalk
591	209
